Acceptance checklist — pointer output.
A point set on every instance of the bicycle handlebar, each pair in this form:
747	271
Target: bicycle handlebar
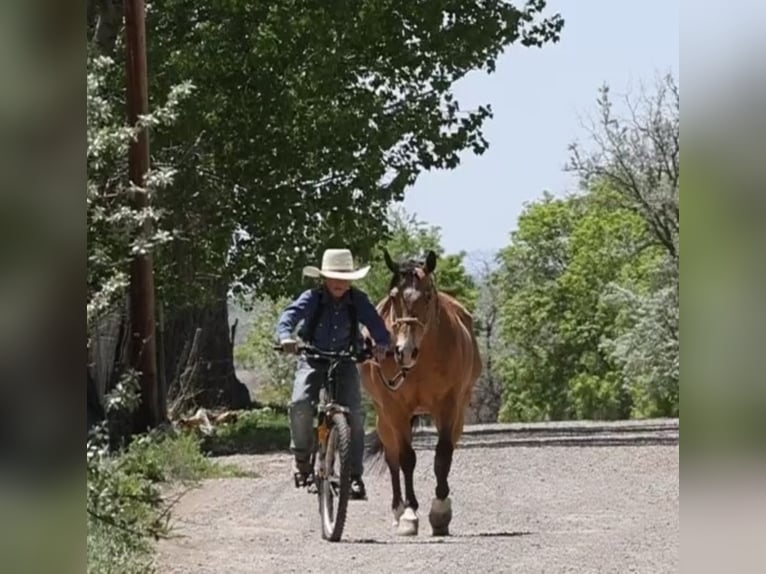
314	353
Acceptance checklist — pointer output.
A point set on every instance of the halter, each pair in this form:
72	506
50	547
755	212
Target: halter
433	317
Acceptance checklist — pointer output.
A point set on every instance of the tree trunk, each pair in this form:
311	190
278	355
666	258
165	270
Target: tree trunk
104	22
215	384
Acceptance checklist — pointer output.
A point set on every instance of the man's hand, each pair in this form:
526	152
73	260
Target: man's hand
379	352
289	346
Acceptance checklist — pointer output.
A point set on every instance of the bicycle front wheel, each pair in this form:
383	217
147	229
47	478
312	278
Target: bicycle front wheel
336	483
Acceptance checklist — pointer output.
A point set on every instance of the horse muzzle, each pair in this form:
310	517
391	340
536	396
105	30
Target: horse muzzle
399	355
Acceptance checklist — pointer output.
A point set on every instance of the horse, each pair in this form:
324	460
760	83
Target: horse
433	370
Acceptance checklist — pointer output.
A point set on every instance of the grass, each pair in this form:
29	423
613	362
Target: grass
256	431
178	458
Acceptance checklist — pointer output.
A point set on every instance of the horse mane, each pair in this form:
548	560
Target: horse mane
452	306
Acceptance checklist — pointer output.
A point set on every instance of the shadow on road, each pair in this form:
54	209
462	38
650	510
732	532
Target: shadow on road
402	540
493	535
433	540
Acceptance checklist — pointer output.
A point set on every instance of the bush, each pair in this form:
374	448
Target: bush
597	398
125	508
254	431
125	511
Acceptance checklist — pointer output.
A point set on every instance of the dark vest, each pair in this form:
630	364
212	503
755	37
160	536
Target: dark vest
313	321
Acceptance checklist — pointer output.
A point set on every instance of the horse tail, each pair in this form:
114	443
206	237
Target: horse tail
374	450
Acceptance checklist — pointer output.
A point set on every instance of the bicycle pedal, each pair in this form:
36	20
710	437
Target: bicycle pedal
302	480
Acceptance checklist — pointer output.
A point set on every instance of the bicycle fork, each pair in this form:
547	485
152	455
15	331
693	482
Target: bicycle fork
323	431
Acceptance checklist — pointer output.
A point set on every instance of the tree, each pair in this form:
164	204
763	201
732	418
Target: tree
564	255
112	225
639	158
273	371
536	374
308	120
488	395
591	280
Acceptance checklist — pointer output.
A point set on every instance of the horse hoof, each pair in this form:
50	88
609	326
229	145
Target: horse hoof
440	516
398	511
408	523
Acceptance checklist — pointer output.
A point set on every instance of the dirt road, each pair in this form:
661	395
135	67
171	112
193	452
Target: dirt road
538	499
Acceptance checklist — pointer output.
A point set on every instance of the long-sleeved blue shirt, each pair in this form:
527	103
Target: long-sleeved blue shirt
333	329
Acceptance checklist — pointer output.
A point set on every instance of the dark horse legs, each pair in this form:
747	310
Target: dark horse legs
442	465
405	517
407	459
396	487
441	507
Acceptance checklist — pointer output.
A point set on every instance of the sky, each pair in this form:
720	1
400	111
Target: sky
539	97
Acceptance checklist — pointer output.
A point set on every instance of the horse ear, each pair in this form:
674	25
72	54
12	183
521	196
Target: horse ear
389	262
430	261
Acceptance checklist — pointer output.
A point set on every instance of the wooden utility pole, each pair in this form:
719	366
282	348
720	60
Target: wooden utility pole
143	344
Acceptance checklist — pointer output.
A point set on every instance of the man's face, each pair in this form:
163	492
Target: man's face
337	287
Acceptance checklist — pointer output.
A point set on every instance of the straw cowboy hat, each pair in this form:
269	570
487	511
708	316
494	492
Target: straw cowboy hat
337	264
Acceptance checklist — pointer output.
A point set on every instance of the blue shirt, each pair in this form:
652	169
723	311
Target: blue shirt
333	329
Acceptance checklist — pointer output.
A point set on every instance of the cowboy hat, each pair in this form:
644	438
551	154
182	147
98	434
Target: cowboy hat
337	264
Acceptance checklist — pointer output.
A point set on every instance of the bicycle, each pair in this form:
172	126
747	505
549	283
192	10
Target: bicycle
332	441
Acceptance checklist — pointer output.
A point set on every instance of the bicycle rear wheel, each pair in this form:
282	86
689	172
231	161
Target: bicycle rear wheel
335	487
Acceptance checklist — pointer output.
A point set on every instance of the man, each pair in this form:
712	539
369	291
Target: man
331	315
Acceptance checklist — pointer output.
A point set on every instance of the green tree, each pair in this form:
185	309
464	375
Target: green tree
114	227
591	280
563	256
536	374
488	395
638	156
308	120
273	371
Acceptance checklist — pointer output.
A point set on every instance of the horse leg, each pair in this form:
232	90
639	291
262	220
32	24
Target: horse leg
440	515
390	441
408	522
397	504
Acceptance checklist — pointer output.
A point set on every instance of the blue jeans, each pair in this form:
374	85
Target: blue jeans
308	380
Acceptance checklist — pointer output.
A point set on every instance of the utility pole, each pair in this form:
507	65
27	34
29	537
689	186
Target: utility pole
143	355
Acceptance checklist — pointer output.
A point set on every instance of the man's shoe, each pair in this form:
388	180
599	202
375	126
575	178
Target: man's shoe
305	479
302	473
358	491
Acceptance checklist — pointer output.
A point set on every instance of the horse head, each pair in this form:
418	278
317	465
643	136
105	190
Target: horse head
413	298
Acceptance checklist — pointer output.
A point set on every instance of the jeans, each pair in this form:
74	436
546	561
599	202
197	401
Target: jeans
308	380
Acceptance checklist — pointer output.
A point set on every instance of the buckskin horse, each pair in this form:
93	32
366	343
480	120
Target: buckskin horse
433	370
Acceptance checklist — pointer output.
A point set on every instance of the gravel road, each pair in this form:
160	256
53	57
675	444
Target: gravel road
526	498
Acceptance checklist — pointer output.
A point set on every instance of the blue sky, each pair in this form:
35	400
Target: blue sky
539	97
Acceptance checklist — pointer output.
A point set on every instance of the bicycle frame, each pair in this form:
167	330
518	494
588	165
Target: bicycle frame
328	404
